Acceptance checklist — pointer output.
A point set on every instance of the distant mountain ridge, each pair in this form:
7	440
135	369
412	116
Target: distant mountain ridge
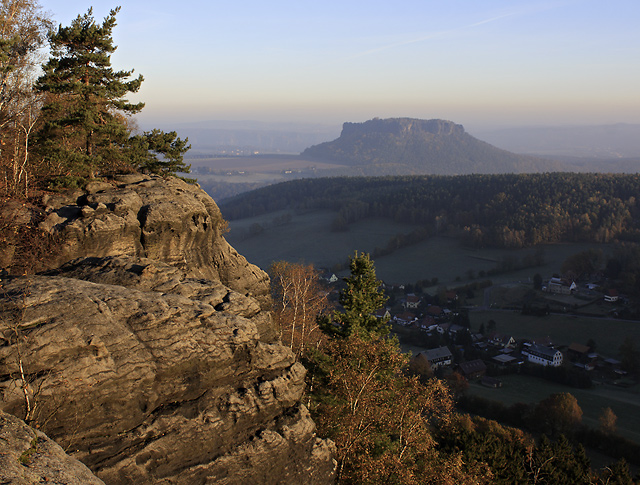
415	146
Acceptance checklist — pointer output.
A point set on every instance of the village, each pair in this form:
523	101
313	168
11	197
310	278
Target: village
437	330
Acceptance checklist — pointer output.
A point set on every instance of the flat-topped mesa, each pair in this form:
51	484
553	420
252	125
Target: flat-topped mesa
409	146
402	127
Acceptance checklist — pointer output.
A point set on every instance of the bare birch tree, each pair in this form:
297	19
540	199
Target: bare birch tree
298	299
23	30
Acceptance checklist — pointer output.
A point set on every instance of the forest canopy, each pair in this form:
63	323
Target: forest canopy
508	210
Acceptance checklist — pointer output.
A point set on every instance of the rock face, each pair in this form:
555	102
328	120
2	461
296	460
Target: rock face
28	456
398	146
151	352
402	127
166	220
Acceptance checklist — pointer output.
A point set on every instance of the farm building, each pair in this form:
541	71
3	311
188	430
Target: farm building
560	286
473	369
438	357
611	296
412	301
542	355
491	382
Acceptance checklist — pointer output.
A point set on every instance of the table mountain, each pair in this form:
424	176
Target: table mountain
398	146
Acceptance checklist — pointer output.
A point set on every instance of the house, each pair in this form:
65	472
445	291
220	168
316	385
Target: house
330	277
404	318
561	286
505	359
382	314
425	323
412	301
455	330
503	341
578	351
473	369
611	296
508	342
439	357
451	296
542	355
434	310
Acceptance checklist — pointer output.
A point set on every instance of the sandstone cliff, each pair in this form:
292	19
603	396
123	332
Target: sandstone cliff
150	346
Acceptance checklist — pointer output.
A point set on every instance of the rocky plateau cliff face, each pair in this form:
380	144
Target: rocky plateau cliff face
402	127
149	349
408	146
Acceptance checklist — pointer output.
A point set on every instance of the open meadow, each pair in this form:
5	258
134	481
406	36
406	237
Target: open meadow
625	403
308	237
260	169
258	163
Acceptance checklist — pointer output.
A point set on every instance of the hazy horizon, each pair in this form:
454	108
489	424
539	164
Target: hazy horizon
484	65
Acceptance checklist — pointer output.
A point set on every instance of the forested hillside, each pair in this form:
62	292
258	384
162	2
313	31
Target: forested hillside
486	210
411	146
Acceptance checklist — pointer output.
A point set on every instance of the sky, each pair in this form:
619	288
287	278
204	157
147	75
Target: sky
480	63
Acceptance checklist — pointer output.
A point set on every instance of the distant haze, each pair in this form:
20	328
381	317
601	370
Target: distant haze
604	141
247	137
493	63
598	142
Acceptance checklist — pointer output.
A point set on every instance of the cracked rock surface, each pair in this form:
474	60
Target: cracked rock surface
149	345
166	220
29	456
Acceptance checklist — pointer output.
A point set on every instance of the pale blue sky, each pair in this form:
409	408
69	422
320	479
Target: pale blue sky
476	62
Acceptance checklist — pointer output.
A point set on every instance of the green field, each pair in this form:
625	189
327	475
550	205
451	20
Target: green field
625	403
308	238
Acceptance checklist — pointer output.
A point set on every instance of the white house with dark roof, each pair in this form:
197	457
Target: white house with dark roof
412	301
542	355
561	286
437	357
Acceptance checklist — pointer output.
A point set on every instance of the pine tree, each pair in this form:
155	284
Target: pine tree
85	126
360	299
158	152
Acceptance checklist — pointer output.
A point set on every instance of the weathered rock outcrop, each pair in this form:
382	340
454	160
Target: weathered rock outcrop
152	355
166	220
29	456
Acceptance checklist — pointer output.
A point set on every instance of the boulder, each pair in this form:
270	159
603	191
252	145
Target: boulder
29	456
151	376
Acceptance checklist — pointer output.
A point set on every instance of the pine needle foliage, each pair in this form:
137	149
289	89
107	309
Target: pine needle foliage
85	128
360	299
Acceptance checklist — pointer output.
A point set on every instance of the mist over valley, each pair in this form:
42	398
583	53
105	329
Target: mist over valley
229	158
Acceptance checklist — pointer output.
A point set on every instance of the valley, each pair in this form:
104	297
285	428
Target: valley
307	237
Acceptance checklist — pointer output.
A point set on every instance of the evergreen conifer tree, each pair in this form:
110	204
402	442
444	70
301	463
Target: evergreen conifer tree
360	299
158	152
85	127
